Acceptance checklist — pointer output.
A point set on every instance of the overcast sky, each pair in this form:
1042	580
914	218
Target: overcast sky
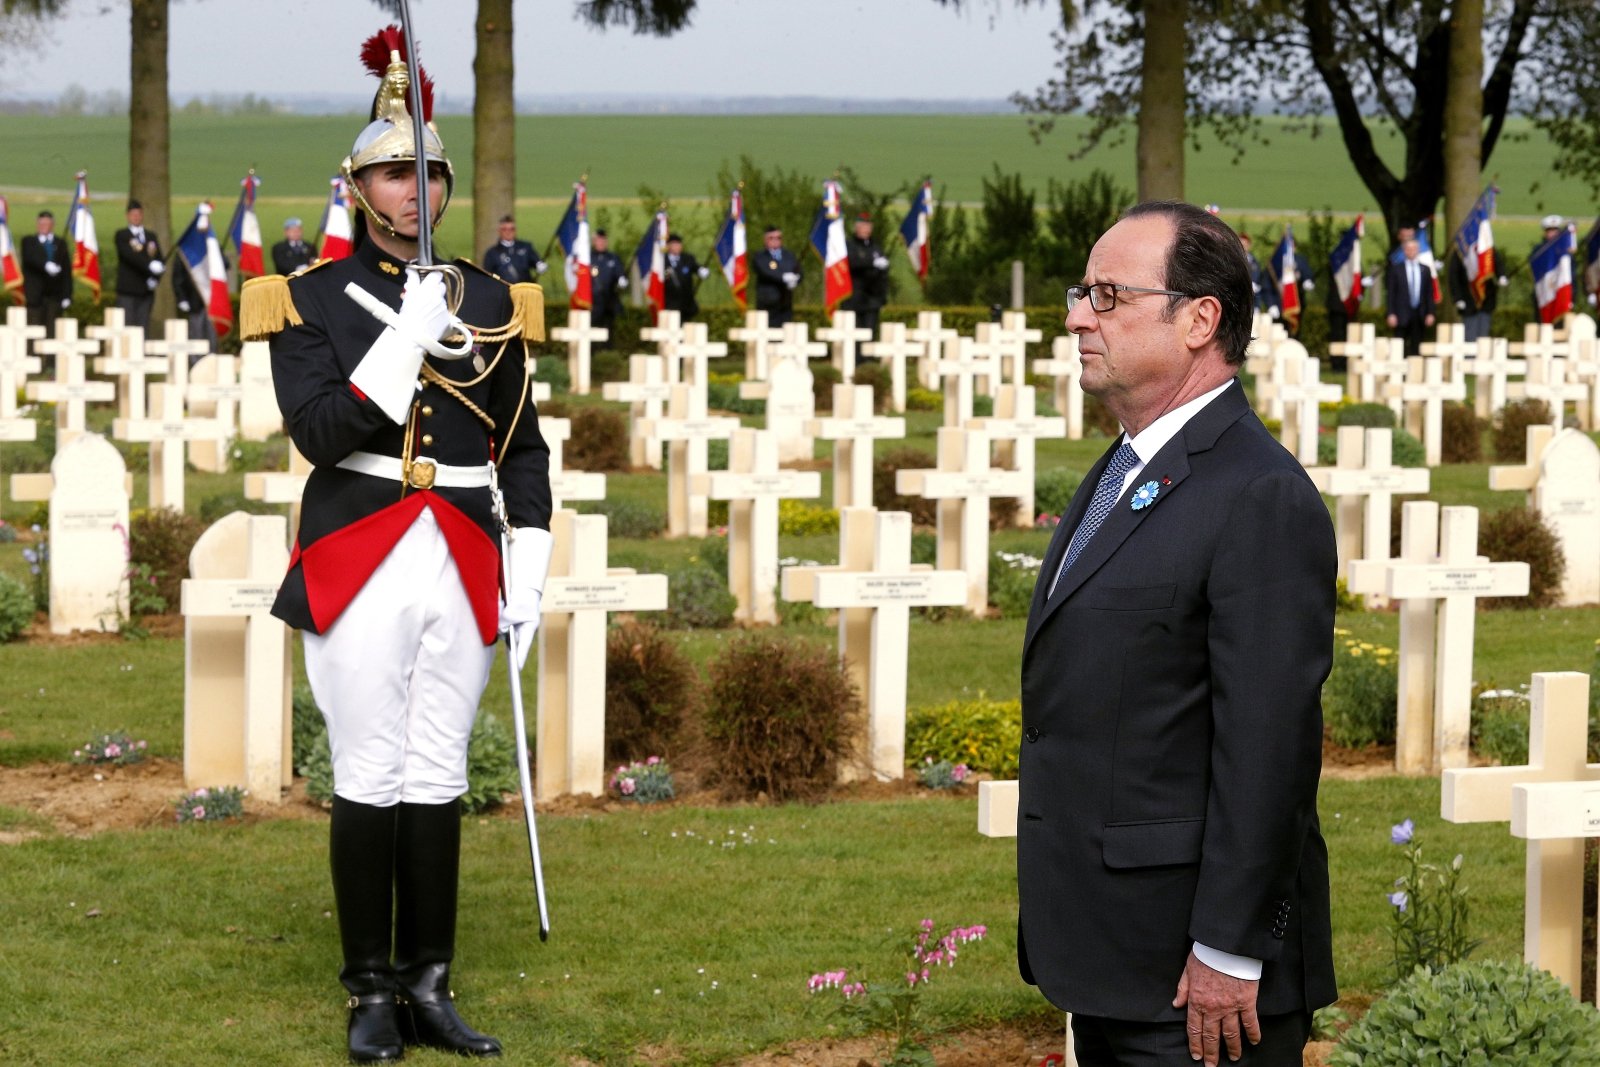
839	48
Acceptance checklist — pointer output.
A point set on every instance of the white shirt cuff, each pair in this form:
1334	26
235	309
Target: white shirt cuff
1245	967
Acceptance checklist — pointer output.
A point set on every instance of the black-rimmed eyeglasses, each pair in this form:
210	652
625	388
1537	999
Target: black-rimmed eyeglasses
1103	295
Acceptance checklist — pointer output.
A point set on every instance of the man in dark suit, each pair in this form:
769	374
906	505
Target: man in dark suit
869	274
1409	289
1172	878
777	276
46	273
683	277
139	267
294	252
607	279
511	259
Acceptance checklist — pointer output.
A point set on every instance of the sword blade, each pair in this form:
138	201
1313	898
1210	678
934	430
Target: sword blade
418	128
525	778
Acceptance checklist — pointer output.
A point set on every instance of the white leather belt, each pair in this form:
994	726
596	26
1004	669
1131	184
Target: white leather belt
424	473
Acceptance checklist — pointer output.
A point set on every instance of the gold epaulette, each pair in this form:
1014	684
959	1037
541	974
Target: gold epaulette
266	307
527	305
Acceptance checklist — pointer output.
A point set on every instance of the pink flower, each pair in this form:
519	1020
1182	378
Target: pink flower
959	772
199	811
911	978
627	787
652	761
113	751
201	792
927	924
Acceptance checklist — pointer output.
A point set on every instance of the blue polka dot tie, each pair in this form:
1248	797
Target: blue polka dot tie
1106	493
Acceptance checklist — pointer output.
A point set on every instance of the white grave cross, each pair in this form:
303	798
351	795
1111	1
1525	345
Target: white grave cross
1015	430
686	429
1363	483
756	335
1301	392
893	348
1491	364
646	391
568	485
853	428
579	335
1066	367
125	360
1424	393
843	337
70	391
15	366
214	392
934	336
168	434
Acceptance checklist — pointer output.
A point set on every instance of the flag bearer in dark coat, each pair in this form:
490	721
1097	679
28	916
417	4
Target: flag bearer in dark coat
417	430
777	274
684	275
869	274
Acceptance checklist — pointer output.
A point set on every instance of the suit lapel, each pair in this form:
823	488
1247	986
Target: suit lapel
1169	468
1069	523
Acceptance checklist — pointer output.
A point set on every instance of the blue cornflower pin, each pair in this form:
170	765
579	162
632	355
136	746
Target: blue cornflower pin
1145	495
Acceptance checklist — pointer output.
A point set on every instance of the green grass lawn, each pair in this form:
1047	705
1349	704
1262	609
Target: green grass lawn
688	930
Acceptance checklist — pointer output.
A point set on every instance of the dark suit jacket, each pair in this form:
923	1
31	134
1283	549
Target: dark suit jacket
679	285
133	262
286	260
38	286
1397	290
771	294
1172	732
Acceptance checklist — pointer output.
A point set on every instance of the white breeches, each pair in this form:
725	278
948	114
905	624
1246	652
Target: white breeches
398	677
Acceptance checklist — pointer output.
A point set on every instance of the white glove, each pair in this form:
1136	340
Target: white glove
1504	281
52	268
1273	312
791	279
1255	287
387	374
65	304
622	283
151	284
704	272
157	267
881	262
527	568
1309	284
540	267
183	306
1461	305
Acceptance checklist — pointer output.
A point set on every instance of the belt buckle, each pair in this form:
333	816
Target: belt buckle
421	474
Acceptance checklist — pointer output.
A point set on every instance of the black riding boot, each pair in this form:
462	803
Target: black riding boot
361	848
427	862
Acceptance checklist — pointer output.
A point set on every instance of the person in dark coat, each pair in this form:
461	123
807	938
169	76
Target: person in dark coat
869	274
1408	285
294	252
46	273
139	268
510	258
1172	879
420	432
1476	311
777	274
683	277
608	278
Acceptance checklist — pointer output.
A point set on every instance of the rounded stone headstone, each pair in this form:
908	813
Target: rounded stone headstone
259	417
1568	498
88	536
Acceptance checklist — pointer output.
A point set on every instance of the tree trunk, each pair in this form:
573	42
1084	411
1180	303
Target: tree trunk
494	119
1162	102
150	133
1463	113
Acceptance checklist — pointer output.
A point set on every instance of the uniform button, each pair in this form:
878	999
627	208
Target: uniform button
427	409
1031	733
427	438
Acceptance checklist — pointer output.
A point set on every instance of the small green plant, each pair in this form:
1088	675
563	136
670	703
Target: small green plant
1500	726
1053	489
491	765
982	733
1012	576
1509	436
942	774
1521	534
1430	917
1483	1012
920	399
628	518
891	1005
697	599
8	533
647	783
16	608
37	557
118	748
799	518
1462	438
599	440
306	725
1345	600
1359	699
144	600
162	539
211	805
1328	1022
650	691
553	370
1373	416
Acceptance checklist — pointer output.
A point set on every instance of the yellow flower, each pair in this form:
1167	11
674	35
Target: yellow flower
1355	652
1385	650
1341	632
1351	644
1366	646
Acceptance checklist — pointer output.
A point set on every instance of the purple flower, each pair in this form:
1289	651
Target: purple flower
627	787
1401	833
1399	899
199	811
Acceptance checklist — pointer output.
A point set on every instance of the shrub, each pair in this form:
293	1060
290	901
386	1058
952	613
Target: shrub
646	783
1487	1011
1053	489
698	599
118	748
1462	437
879	377
941	774
162	539
8	533
1098	418
1407	450
780	717
211	805
1359	698
16	608
982	733
217	505
1520	533
1500	726
627	518
599	440
824	376
269	455
923	512
798	518
1012	576
1509	435
920	399
491	765
1372	416
650	688
724	396
553	370
306	724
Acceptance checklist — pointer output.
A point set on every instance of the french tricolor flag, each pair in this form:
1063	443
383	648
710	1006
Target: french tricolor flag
573	236
10	272
731	250
1475	242
245	230
650	263
202	254
85	246
1345	264
338	238
1426	258
915	229
1551	264
827	237
1284	268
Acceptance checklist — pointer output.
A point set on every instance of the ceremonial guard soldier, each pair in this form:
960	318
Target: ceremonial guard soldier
511	259
420	427
683	276
139	267
777	276
869	274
